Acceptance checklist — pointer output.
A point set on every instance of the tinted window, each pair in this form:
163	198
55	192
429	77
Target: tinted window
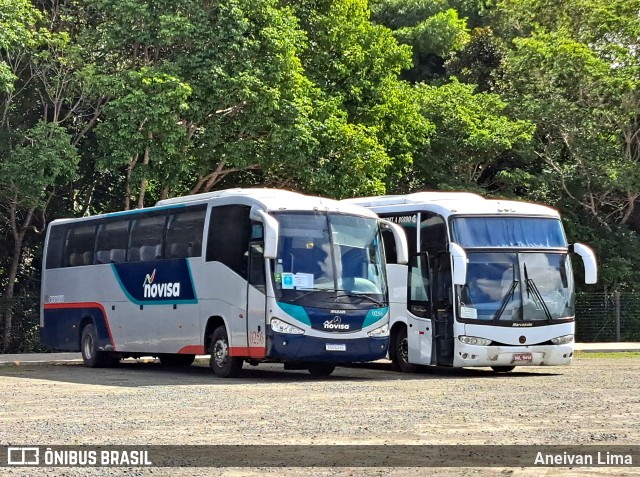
228	241
78	249
433	233
112	242
57	236
146	238
184	233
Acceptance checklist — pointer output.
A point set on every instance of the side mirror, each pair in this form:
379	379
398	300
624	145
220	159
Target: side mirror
271	231
459	257
402	248
589	260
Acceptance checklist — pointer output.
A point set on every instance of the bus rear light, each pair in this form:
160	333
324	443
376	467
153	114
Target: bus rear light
472	340
560	340
379	332
280	326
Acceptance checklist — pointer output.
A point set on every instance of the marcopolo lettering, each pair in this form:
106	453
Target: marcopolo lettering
160	290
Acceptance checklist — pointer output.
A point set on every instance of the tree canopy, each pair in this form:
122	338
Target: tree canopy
114	104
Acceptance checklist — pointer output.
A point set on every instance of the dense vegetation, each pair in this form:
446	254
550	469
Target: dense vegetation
112	104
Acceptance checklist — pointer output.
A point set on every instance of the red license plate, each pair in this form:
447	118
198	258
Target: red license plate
523	357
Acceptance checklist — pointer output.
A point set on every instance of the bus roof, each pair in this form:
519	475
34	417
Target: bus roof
451	203
269	200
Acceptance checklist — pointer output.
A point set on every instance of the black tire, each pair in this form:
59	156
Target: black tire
321	369
91	355
503	369
177	359
400	354
223	365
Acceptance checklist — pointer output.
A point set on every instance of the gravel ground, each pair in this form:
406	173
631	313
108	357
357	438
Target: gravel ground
591	402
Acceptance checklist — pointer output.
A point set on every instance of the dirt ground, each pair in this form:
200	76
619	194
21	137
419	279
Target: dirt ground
595	401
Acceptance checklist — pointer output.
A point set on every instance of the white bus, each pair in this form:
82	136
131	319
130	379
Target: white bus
489	282
245	275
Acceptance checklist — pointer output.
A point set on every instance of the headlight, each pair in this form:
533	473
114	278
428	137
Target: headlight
280	326
472	340
562	339
380	332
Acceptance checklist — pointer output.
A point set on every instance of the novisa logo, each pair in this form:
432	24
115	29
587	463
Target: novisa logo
159	290
335	324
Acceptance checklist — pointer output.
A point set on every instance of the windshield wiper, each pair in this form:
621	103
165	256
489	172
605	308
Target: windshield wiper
532	289
302	295
505	300
358	295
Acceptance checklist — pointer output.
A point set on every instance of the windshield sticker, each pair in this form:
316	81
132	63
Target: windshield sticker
303	280
287	281
470	313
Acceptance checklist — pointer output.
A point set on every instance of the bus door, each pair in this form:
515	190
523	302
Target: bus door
256	296
419	322
443	339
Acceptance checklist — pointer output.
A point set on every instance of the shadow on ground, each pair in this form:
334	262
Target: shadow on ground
138	374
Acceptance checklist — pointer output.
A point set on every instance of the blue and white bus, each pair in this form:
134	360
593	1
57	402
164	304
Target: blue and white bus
244	275
489	282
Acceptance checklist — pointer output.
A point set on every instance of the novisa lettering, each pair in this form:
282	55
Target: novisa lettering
159	290
162	290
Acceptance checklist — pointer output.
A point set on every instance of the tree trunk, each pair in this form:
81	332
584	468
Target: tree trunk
18	238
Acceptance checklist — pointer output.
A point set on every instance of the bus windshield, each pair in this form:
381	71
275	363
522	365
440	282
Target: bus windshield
509	286
329	252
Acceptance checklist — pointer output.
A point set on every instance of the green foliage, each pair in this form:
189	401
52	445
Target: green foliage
44	159
471	132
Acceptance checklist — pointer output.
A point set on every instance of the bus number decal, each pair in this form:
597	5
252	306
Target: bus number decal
256	338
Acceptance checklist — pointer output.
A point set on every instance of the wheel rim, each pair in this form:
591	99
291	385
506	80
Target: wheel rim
88	346
403	350
220	352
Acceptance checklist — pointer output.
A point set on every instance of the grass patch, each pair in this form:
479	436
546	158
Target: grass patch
608	355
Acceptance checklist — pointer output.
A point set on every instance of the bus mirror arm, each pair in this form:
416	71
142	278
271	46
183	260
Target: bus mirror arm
589	260
271	231
402	248
459	257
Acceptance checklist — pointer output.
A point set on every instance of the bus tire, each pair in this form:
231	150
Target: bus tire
177	359
92	357
503	369
321	369
400	344
223	365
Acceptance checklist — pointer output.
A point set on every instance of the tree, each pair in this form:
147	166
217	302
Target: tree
575	74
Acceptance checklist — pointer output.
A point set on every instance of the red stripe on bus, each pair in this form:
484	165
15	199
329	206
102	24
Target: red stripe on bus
91	304
248	352
192	349
238	351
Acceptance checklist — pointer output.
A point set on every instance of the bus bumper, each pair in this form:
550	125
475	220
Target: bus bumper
308	348
542	355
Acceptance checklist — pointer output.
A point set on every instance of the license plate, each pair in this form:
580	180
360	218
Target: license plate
335	347
522	357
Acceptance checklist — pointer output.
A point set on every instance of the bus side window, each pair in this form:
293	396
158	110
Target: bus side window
55	246
79	245
112	242
184	233
145	243
433	233
228	237
419	285
389	243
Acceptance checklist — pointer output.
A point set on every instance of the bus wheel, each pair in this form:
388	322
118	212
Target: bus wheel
91	355
321	369
400	344
177	359
503	369
223	365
